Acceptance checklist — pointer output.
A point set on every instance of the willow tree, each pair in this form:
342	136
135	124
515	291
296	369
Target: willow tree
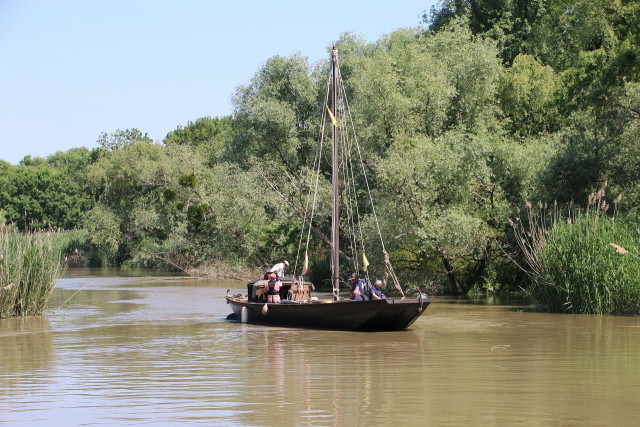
588	50
165	206
274	114
429	106
126	182
209	135
276	119
527	94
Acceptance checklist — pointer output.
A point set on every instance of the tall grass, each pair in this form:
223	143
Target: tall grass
75	245
29	265
573	260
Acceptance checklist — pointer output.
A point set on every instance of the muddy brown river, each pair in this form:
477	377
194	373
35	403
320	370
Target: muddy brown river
158	350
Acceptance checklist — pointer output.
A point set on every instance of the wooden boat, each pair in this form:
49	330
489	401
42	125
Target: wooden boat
373	315
298	308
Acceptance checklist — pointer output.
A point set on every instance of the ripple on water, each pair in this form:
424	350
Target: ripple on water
134	351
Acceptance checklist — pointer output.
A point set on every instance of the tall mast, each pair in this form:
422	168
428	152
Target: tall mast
335	223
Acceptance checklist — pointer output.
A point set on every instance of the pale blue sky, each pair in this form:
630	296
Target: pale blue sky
70	70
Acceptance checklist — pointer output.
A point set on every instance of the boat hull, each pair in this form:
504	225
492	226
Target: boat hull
379	315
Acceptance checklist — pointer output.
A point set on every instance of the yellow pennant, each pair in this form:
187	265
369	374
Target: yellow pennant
365	262
333	119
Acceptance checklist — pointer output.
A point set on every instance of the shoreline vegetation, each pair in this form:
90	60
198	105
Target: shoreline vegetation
461	120
577	258
30	264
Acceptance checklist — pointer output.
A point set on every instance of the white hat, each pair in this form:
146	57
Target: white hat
286	263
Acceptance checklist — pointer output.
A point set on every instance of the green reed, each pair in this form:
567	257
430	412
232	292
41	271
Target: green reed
30	263
582	261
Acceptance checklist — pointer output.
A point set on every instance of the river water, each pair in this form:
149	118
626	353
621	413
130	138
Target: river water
158	350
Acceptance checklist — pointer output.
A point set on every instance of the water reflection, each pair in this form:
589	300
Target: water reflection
158	350
24	344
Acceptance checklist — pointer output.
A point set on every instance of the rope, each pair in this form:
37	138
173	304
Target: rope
392	273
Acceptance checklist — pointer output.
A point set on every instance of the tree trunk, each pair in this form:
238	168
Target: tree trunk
455	286
481	265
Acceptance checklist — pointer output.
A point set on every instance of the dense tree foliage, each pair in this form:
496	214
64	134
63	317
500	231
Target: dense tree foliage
43	193
490	104
209	135
572	70
273	115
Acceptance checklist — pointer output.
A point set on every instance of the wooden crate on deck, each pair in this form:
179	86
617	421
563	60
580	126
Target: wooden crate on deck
300	292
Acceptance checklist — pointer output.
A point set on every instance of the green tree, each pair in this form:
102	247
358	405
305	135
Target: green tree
400	90
441	201
600	80
444	171
41	193
472	66
121	138
509	22
209	135
165	206
414	84
573	72
104	232
527	92
274	114
128	185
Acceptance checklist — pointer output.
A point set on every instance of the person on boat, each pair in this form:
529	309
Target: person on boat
376	291
279	268
273	290
357	288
